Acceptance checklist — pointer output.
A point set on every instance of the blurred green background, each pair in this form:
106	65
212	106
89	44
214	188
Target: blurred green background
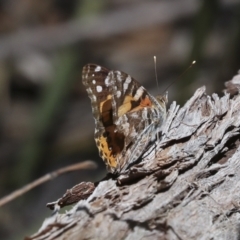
45	114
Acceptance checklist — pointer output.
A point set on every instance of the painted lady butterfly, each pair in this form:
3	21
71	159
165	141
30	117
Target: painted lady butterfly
127	118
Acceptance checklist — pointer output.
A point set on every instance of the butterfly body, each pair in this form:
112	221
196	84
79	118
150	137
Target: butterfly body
127	117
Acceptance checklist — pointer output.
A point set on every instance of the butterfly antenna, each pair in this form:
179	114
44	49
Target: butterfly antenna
193	62
155	68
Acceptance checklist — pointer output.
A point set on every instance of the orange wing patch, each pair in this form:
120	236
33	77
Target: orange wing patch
111	142
126	106
110	145
130	104
105	152
146	102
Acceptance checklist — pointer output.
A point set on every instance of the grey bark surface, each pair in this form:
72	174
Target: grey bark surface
188	187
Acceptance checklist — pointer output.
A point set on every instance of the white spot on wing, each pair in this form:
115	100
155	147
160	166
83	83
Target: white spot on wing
89	91
119	94
145	114
125	126
99	88
94	99
107	81
125	87
128	79
138	93
98	69
94	81
135	115
126	83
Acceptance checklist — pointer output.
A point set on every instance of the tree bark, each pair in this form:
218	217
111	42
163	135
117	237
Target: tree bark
188	187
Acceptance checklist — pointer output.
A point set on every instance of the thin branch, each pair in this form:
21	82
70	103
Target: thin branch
47	177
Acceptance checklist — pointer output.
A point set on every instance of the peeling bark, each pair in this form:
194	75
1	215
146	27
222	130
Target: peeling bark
188	187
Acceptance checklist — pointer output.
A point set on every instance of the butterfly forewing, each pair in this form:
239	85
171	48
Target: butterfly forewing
126	115
93	77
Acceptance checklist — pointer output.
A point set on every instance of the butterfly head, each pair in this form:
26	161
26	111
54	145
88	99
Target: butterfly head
162	99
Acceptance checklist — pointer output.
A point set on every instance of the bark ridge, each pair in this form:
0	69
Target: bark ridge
187	187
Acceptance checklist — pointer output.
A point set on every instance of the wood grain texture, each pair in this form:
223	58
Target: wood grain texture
188	188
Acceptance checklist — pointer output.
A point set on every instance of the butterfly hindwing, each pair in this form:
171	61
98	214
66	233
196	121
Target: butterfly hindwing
94	78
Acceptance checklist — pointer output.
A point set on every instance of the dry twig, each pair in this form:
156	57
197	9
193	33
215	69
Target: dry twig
47	177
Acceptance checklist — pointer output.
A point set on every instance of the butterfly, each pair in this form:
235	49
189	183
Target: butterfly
127	118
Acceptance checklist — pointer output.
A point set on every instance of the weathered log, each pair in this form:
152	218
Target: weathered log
188	187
